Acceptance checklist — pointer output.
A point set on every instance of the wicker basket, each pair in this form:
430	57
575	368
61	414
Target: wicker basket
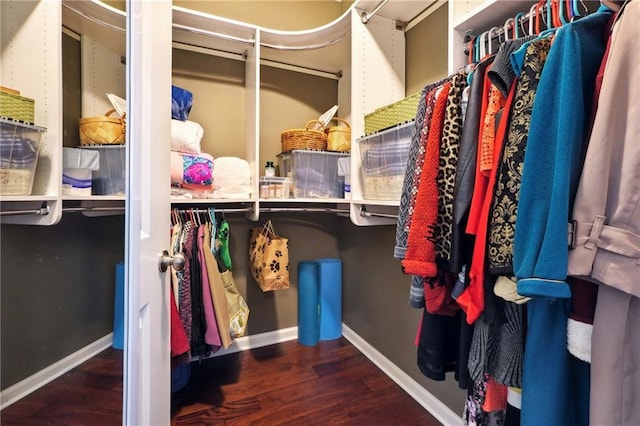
303	138
16	107
391	115
339	137
102	130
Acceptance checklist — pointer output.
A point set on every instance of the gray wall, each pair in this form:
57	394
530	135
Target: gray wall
57	290
376	304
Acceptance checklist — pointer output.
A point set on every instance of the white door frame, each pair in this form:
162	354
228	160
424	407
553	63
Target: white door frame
147	380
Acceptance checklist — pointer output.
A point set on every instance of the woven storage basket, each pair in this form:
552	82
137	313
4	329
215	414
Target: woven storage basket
16	107
102	130
391	115
339	137
303	138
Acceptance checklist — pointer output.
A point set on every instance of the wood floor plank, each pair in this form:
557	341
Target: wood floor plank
330	383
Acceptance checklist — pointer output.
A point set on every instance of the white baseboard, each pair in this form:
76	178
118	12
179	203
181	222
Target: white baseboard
44	376
425	398
259	340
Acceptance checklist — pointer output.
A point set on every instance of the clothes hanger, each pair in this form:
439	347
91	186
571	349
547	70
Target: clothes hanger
523	19
569	10
575	9
554	13
492	30
483	44
505	28
539	15
532	15
517	25
563	20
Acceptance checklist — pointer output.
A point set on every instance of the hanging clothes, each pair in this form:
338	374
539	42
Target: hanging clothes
420	258
217	290
549	178
606	230
465	168
211	335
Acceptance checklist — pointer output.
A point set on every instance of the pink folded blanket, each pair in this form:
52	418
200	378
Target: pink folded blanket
189	170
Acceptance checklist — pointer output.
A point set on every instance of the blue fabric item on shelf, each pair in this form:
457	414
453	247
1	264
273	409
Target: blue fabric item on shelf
181	102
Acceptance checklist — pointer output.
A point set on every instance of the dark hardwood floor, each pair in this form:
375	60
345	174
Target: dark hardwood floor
331	383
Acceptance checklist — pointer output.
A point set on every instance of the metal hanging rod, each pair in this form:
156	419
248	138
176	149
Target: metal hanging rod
365	213
309	46
302	209
215	210
212	34
42	211
91	209
366	16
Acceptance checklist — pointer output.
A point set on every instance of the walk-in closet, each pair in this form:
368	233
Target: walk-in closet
440	286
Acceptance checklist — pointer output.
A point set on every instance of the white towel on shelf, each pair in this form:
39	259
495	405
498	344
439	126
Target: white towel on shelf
231	178
186	136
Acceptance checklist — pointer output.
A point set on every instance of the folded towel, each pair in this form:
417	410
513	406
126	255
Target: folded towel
186	136
231	178
181	102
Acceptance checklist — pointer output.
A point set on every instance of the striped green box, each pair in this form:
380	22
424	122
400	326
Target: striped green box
392	115
17	107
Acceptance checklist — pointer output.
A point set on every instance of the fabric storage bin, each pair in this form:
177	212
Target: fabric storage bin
111	178
384	157
315	173
77	168
19	144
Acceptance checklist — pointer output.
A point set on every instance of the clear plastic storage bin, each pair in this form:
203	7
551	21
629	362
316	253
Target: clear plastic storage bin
111	178
384	157
275	187
314	173
19	144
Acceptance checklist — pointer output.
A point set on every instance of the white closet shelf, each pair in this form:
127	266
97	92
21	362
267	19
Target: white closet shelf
489	13
97	20
392	203
6	198
213	32
402	10
93	198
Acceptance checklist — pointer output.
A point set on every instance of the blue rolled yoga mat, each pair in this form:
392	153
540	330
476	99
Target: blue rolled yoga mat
330	283
308	318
